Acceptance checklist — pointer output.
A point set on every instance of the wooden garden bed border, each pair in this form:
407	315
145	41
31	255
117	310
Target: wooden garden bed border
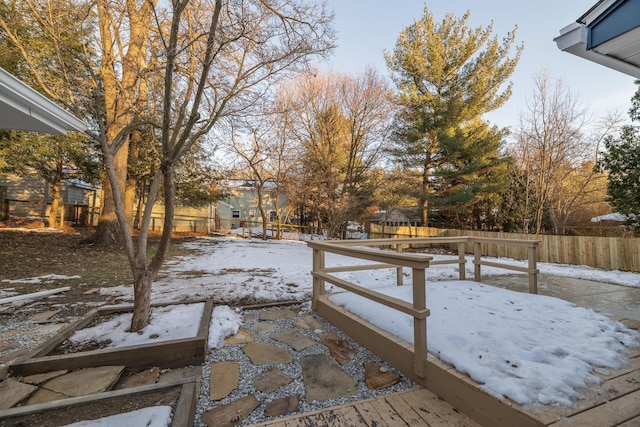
183	413
164	354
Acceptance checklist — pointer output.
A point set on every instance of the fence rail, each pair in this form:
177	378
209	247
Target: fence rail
418	262
610	253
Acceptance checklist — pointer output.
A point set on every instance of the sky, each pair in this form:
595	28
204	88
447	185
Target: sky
367	27
553	347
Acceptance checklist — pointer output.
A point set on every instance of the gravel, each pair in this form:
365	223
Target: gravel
248	371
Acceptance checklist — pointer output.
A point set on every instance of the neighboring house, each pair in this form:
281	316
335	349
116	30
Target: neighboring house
241	208
402	215
185	218
29	197
607	34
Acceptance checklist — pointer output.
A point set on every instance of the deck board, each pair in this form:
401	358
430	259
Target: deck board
609	414
408	414
391	410
428	406
380	413
634	422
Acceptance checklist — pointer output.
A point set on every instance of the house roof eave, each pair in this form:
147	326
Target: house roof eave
573	39
23	108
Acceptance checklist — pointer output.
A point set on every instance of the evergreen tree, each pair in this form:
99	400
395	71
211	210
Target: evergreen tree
622	162
447	76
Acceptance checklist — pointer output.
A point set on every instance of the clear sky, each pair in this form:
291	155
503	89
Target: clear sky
367	27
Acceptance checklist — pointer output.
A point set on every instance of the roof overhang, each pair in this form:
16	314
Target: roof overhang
22	108
607	34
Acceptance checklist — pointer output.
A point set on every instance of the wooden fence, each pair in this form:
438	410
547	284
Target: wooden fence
610	253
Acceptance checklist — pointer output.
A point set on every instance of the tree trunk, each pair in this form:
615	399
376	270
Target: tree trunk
144	274
263	215
143	279
108	232
132	181
424	203
55	197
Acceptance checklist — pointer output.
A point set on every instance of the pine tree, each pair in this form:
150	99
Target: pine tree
447	76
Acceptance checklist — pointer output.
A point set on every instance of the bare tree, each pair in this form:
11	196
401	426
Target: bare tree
218	60
210	59
548	139
339	123
252	148
579	185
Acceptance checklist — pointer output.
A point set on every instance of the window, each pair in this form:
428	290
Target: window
235	214
272	216
252	214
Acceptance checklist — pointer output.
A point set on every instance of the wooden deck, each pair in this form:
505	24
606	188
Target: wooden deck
614	402
415	408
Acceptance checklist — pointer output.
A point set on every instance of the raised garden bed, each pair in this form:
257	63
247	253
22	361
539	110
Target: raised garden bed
181	395
57	355
164	354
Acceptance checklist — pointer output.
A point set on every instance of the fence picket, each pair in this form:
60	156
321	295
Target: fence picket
611	253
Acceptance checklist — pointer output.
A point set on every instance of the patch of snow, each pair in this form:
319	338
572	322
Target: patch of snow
154	416
167	323
41	279
533	349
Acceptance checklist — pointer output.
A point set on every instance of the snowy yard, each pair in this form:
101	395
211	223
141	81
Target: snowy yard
533	349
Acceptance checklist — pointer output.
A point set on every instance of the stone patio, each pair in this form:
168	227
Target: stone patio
323	375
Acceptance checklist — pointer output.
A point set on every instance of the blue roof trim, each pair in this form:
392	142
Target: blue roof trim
622	16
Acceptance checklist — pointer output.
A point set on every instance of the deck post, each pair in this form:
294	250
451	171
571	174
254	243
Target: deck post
318	283
477	252
419	325
533	270
461	261
399	280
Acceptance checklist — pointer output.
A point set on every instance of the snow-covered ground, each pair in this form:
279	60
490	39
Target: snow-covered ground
231	270
531	348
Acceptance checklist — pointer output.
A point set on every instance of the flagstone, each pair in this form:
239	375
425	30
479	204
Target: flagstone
324	380
307	322
13	391
44	316
47	330
85	381
277	314
263	327
377	378
179	374
224	379
9	334
137	379
230	414
9	345
43	396
263	354
242	337
283	406
293	339
37	379
339	348
271	380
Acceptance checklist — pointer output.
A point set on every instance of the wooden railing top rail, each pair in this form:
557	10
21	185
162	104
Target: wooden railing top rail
429	240
414	260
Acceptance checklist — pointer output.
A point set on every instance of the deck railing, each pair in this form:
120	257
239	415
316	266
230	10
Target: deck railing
418	262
